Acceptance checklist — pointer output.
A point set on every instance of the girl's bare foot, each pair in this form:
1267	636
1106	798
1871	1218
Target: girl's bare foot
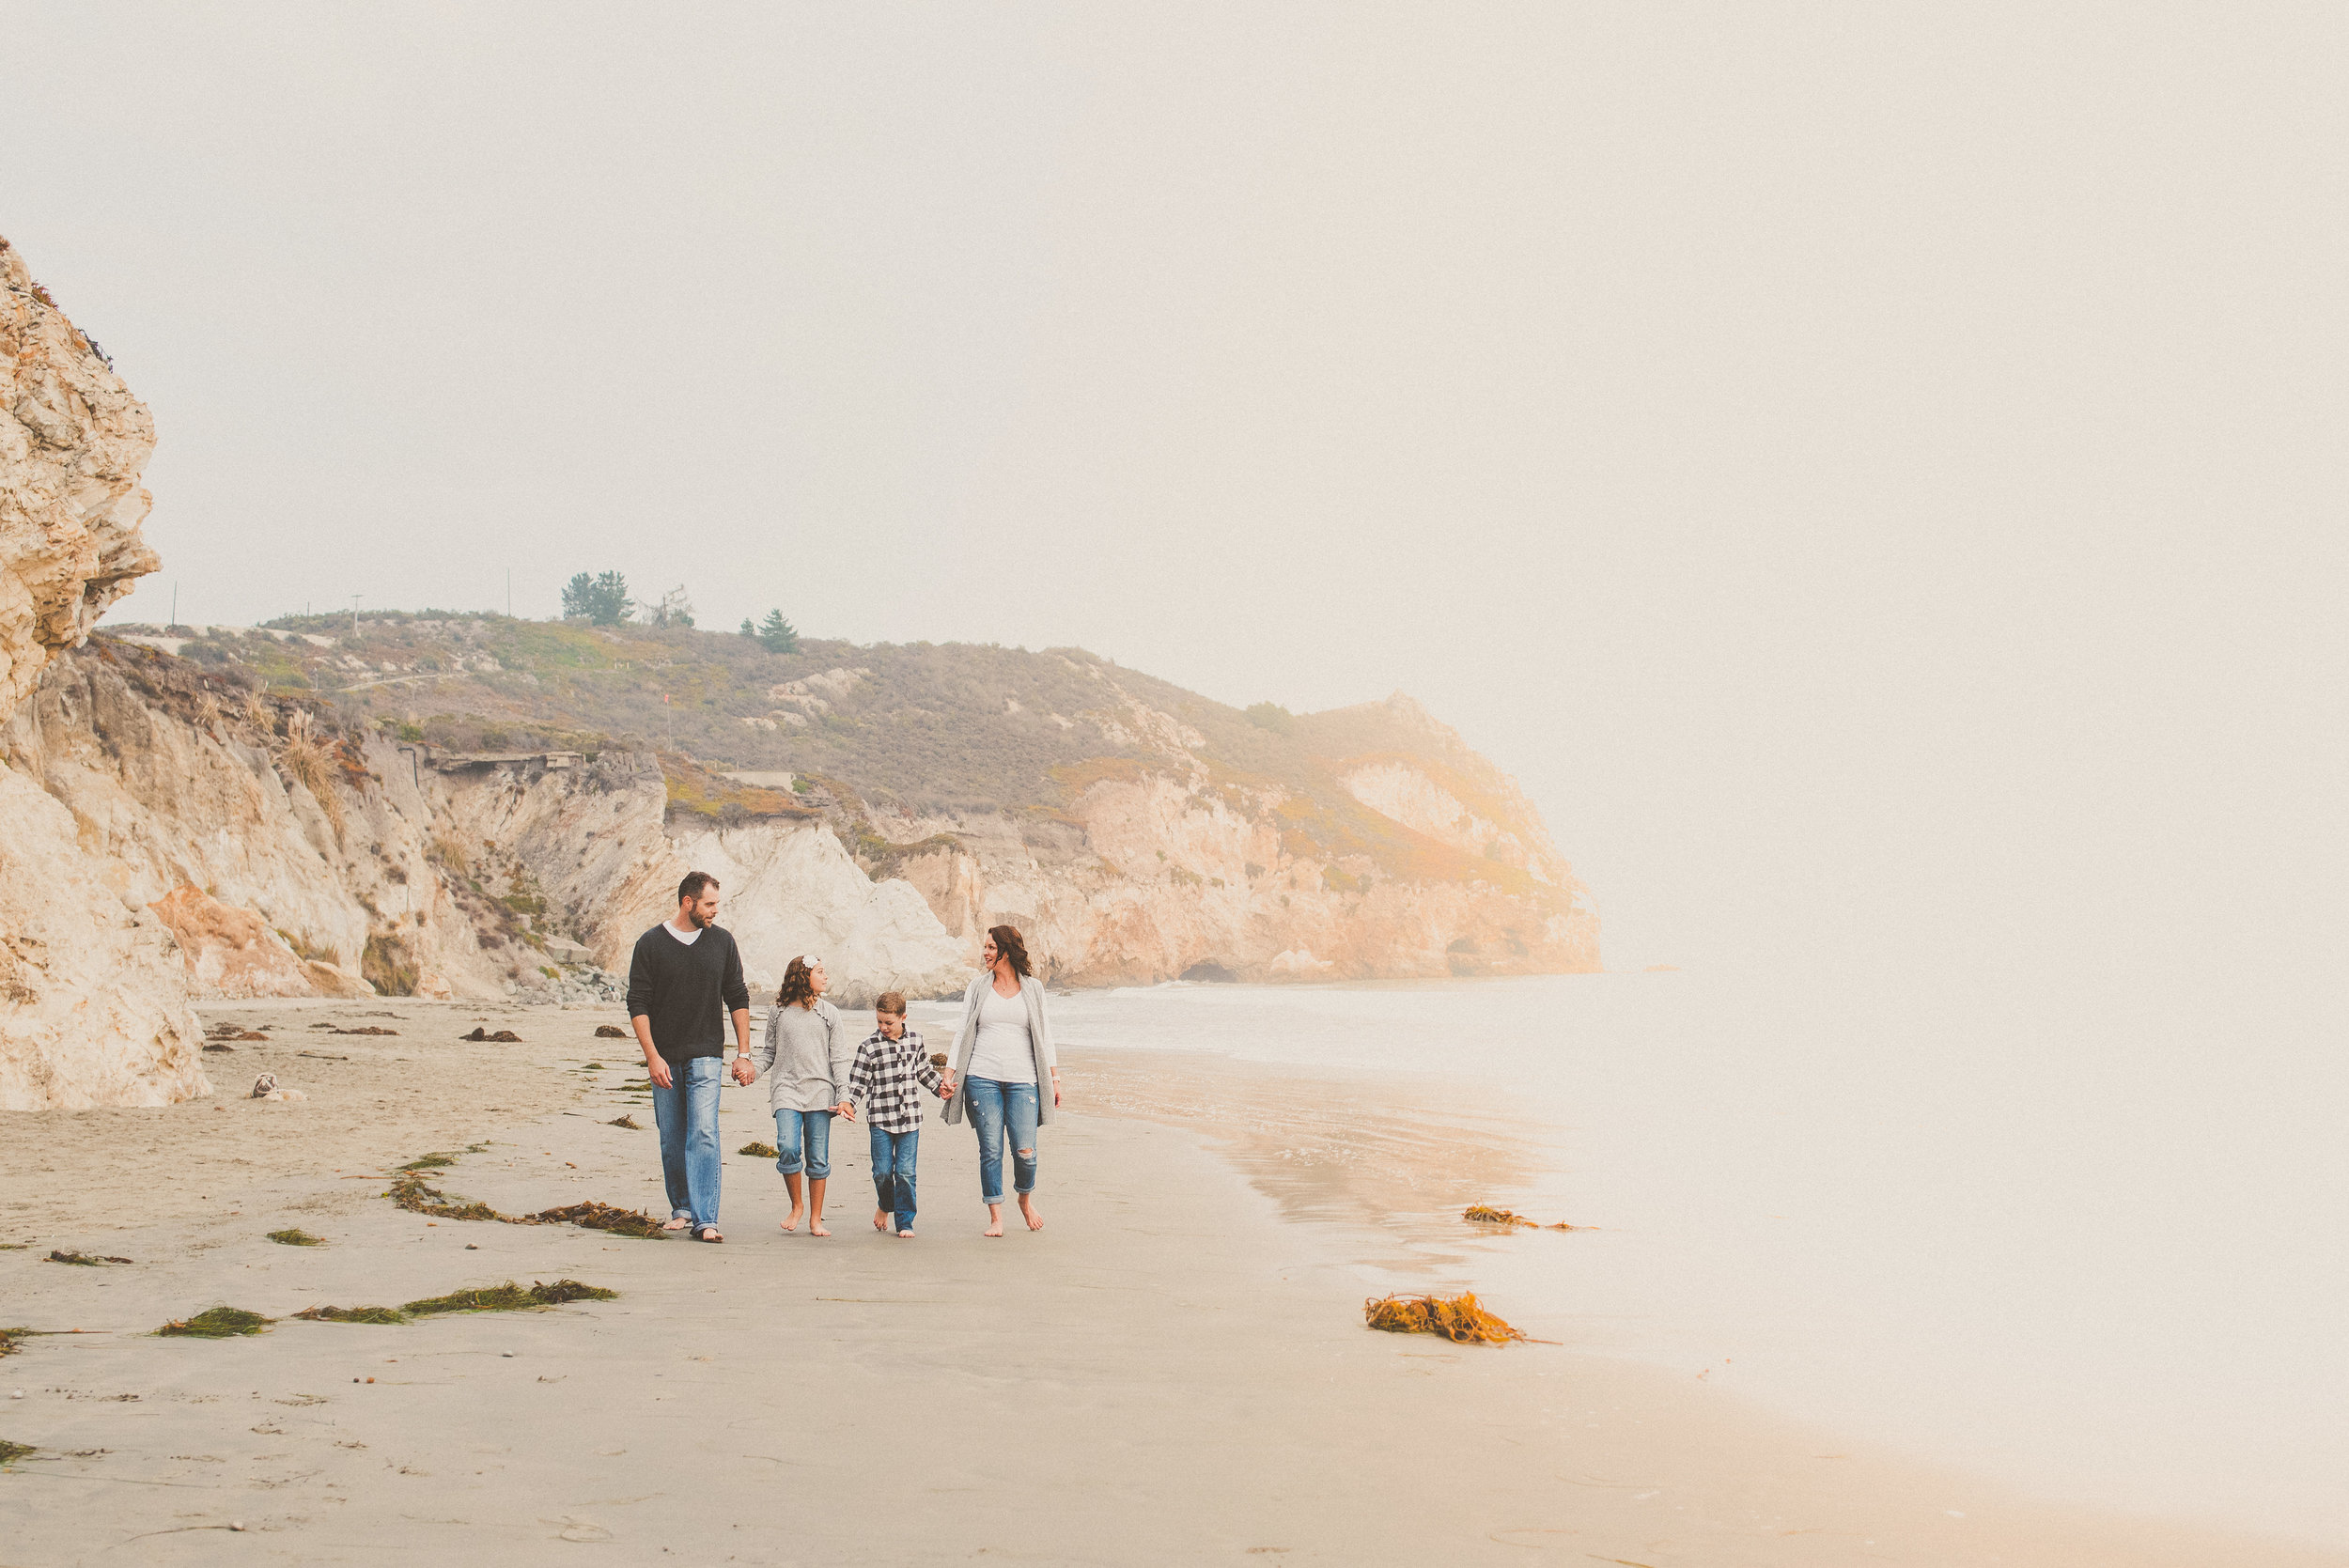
881	1220
1027	1208
994	1220
904	1235
793	1223
816	1226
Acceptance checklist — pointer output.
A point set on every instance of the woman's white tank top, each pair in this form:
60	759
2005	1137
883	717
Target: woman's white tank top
1003	1052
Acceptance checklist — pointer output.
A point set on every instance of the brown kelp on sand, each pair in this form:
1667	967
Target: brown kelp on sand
1458	1318
600	1217
218	1322
353	1314
609	1031
509	1297
625	1120
411	1192
84	1260
296	1238
11	1452
1485	1213
757	1150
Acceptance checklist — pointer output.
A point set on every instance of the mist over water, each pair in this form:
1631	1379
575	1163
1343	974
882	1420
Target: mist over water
1973	1229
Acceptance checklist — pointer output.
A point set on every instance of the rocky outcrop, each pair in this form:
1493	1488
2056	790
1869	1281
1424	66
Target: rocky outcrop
95	995
72	442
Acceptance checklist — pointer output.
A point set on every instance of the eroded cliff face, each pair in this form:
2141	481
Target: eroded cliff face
1165	870
93	996
72	448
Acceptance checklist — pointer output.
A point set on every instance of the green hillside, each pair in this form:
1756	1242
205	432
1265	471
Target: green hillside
932	728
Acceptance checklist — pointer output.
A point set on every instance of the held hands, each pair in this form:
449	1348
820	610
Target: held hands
946	1087
846	1109
744	1073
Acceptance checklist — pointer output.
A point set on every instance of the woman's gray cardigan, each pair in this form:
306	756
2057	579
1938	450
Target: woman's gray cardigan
1040	1041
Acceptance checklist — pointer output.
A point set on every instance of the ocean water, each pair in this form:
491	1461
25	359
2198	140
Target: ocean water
2105	1261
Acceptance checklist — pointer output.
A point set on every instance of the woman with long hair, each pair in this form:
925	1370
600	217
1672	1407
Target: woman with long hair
1003	1059
807	1049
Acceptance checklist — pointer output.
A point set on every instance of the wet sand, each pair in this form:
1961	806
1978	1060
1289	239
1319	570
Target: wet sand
1175	1370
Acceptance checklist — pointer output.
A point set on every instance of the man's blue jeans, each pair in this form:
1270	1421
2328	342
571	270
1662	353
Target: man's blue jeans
997	1109
813	1129
687	1115
894	1157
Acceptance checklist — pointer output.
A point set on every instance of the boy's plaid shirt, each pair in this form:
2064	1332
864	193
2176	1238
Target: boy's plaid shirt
886	1077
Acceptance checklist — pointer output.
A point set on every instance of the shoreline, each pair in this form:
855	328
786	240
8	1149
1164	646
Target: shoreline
1175	1368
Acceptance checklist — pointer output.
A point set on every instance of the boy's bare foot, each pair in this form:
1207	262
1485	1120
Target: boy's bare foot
904	1235
994	1220
816	1226
676	1222
1027	1208
793	1223
881	1220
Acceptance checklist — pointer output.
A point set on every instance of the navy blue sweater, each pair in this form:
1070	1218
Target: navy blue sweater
687	990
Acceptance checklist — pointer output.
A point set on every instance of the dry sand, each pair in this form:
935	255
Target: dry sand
1174	1371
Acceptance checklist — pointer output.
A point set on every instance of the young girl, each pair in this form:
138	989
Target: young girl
806	1048
890	1065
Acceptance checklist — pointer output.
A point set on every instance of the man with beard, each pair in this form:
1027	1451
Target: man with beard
685	975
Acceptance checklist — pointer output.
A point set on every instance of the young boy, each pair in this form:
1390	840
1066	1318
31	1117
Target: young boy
890	1062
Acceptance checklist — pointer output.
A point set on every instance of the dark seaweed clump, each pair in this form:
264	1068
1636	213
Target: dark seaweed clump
757	1150
296	1238
219	1323
600	1217
354	1314
509	1297
623	1120
11	1453
84	1259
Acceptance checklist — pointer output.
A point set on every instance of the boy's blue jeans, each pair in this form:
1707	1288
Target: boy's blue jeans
687	1114
813	1128
894	1157
997	1109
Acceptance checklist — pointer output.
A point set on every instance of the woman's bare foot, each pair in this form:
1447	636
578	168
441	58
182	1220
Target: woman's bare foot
678	1223
1027	1209
994	1220
793	1223
881	1220
815	1225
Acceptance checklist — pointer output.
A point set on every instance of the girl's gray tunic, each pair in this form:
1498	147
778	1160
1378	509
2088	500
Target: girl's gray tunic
805	1056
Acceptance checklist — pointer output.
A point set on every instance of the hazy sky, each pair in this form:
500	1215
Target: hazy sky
1873	474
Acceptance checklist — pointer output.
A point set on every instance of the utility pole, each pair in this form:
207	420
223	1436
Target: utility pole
174	603
354	614
510	593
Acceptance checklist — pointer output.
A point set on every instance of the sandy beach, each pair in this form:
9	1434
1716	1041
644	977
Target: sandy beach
1174	1370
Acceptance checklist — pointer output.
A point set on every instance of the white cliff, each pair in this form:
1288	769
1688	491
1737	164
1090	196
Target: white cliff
95	997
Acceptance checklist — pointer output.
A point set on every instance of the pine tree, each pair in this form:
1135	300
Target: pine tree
600	599
748	630
776	634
